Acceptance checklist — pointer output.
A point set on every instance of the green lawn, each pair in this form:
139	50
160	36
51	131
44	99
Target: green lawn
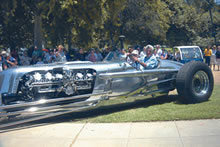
150	109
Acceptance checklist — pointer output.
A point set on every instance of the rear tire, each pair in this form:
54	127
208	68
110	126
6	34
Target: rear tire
194	82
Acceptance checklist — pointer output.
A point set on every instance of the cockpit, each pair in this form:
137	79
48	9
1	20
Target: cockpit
115	56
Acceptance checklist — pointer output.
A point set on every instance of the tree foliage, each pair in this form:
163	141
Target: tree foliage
85	23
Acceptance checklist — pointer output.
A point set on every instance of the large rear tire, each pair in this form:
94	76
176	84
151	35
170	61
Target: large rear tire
194	82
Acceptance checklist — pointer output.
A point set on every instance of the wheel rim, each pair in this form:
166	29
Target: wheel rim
200	83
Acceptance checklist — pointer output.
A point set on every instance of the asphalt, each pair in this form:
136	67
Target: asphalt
171	133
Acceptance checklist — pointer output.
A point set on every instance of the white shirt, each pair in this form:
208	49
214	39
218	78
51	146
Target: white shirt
159	52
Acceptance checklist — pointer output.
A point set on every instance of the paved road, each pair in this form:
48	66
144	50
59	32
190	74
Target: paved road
216	77
174	133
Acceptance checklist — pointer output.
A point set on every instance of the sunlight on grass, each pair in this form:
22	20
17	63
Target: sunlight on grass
153	109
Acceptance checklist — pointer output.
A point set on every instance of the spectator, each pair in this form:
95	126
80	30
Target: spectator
177	56
60	55
40	60
105	52
1	65
24	59
214	49
8	61
163	55
159	51
81	56
52	57
12	62
36	52
34	59
46	55
14	54
68	57
213	58
143	53
137	47
99	55
169	55
92	56
155	53
30	52
217	54
3	60
208	53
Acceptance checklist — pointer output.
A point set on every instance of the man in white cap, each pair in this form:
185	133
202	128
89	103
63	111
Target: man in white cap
133	63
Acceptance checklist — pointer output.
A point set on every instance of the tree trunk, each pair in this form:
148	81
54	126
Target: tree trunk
38	32
69	40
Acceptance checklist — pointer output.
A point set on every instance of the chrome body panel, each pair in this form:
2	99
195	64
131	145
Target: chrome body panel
112	79
9	79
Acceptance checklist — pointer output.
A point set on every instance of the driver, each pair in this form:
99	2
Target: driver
149	61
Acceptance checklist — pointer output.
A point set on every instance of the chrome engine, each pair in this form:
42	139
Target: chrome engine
54	83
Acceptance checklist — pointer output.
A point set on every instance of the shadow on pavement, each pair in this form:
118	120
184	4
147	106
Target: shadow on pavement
101	110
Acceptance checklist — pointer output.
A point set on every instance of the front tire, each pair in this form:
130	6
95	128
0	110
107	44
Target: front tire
194	82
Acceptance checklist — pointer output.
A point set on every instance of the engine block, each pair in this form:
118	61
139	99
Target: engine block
56	82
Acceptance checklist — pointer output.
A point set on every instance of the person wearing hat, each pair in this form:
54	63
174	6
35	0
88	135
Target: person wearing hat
46	55
129	54
12	62
149	61
7	60
131	61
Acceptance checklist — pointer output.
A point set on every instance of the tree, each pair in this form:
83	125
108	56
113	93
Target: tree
146	20
16	24
183	24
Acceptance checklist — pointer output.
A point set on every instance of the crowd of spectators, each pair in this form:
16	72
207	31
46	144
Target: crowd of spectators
212	56
25	56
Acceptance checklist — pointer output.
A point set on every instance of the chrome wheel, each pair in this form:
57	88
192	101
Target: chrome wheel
200	83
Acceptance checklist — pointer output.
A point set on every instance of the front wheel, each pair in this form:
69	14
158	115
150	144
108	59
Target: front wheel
194	82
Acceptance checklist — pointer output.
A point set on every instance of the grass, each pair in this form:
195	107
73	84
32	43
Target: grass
149	109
